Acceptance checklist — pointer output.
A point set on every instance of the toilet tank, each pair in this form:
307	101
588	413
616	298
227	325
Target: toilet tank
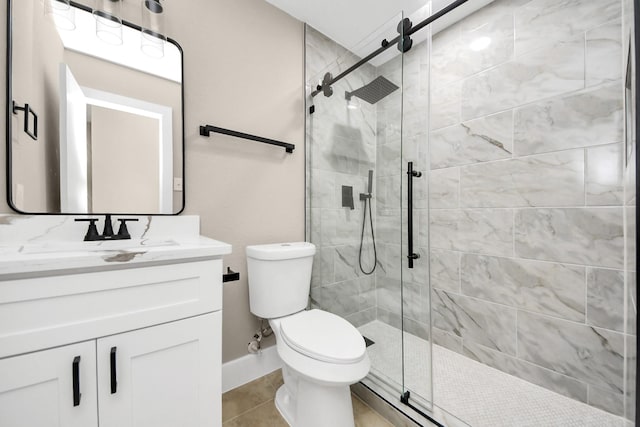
279	278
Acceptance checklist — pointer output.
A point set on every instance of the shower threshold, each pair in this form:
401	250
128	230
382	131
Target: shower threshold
474	392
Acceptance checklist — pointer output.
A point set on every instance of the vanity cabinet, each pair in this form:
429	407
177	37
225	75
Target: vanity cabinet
37	389
143	345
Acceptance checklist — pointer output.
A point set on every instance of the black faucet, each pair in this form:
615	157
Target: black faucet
107	233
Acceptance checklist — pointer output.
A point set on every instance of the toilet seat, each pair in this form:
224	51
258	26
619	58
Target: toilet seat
323	336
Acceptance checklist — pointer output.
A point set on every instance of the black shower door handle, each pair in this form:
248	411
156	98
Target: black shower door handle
410	175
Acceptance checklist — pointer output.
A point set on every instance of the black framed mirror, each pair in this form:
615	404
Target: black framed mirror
92	127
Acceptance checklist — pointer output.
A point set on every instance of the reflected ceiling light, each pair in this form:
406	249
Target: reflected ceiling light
152	37
480	43
63	15
108	21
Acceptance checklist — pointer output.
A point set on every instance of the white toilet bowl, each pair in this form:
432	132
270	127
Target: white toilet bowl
323	355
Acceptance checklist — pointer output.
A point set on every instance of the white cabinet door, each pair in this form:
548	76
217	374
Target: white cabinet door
164	376
37	389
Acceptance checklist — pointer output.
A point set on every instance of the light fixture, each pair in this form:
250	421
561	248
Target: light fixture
63	15
108	21
480	43
152	37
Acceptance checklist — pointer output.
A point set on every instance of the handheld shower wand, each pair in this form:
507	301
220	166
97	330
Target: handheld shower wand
367	200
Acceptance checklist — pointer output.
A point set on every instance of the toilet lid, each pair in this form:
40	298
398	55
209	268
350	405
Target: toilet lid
323	336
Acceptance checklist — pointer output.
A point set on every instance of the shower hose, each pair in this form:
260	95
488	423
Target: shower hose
373	237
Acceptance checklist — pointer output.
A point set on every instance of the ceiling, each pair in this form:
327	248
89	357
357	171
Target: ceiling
360	25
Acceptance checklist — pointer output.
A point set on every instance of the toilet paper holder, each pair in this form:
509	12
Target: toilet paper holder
230	275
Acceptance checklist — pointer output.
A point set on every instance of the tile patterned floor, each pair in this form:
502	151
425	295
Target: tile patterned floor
251	405
478	394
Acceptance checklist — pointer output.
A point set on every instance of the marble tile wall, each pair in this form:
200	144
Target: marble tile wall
528	212
629	202
527	221
341	148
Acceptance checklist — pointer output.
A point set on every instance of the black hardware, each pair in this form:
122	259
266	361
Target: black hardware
206	130
76	381
384	46
230	275
327	90
27	112
405	42
404	398
411	174
107	233
123	233
92	232
384	43
347	197
312	109
112	363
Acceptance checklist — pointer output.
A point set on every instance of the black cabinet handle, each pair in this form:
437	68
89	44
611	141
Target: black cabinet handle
114	381
76	381
411	174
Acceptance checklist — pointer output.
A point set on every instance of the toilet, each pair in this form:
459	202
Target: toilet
322	353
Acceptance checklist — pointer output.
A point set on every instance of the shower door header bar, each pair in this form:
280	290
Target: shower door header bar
387	44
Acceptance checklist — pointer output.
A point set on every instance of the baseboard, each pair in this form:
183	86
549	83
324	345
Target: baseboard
250	367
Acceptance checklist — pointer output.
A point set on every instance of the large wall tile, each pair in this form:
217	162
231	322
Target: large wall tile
444	268
362	317
541	21
632	304
543	287
444	188
477	321
341	298
591	236
487	231
543	377
592	117
606	400
579	351
604	50
555	179
447	339
480	140
453	55
604	175
445	105
530	77
605	298
630	380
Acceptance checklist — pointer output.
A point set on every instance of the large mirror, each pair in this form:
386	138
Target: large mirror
93	127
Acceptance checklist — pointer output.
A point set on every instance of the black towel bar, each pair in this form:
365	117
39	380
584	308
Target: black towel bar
206	131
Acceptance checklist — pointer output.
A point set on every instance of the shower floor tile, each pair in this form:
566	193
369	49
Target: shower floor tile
473	392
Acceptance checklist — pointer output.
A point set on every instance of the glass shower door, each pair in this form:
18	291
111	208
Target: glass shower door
356	203
416	310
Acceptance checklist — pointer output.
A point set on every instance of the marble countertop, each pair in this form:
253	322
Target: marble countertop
37	259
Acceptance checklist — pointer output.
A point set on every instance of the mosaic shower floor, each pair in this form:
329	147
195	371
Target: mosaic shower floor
473	392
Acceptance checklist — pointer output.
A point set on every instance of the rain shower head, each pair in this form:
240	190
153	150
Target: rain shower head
374	91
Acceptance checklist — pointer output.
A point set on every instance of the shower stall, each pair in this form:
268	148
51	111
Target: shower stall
471	194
